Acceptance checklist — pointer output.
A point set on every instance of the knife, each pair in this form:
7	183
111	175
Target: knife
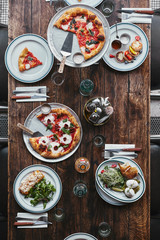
151	12
111	154
27	130
66	50
50	2
124	149
34	97
31	223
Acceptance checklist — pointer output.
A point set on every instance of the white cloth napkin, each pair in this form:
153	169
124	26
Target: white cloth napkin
31	94
136	16
118	146
30	215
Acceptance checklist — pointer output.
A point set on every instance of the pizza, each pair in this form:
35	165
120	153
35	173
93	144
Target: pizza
65	137
87	27
27	60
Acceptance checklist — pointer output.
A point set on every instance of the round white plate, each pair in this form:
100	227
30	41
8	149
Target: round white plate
106	198
39	47
50	175
34	124
80	236
92	3
132	30
120	196
56	38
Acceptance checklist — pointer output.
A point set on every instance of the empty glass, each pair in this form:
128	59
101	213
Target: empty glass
57	78
80	189
104	229
86	87
58	214
107	7
99	140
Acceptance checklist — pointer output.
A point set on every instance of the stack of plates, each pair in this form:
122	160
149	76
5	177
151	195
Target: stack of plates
114	197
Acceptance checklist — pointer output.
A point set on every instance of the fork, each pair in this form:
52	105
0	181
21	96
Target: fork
42	218
39	90
125	16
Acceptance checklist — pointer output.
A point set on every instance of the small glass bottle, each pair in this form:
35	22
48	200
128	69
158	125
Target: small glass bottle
82	165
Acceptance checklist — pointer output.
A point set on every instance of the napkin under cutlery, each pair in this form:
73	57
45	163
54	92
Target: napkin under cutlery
137	17
31	93
118	146
34	216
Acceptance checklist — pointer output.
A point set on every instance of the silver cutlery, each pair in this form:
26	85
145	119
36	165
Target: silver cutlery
27	130
39	90
31	223
50	2
124	149
111	154
126	16
14	97
42	218
151	12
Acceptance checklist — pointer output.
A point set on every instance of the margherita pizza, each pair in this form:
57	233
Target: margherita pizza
65	137
27	60
87	27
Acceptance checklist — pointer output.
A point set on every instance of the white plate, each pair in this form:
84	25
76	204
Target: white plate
80	236
34	124
39	47
132	30
50	175
56	38
92	3
120	196
106	198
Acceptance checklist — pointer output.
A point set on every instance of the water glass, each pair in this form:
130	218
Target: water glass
58	215
86	87
99	140
58	5
107	7
57	78
80	189
104	229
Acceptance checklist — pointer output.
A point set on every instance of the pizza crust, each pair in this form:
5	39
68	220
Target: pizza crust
21	59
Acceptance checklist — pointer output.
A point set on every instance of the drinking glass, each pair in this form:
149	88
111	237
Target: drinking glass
86	87
57	78
58	5
58	214
107	7
99	140
80	189
104	229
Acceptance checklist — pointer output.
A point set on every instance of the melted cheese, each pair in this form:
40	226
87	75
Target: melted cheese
80	19
44	140
90	46
66	139
89	26
27	66
83	49
62	124
48	117
65	27
56	144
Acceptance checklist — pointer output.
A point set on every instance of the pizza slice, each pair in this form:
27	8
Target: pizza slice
87	27
27	60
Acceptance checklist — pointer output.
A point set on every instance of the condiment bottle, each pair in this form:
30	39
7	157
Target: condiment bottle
82	165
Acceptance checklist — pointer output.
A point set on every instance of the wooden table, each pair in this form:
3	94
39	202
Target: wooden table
129	95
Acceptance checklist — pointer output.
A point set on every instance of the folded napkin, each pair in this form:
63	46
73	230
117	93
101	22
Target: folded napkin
118	146
34	216
31	94
135	17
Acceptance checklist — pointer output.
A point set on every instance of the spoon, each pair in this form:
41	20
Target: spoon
117	31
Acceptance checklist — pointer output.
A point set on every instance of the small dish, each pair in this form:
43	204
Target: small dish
125	38
45	108
78	58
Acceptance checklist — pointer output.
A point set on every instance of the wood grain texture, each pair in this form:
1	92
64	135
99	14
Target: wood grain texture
129	95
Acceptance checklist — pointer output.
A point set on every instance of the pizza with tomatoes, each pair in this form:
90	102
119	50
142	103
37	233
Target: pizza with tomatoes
27	60
65	137
87	27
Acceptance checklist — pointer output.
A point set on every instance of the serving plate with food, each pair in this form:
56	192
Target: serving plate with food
37	188
80	236
90	29
122	179
61	130
28	58
130	50
92	3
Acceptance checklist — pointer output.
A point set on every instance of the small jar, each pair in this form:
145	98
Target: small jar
82	165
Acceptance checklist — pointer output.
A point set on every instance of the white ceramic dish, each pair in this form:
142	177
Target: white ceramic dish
92	3
34	124
132	30
56	38
80	236
50	176
120	196
39	47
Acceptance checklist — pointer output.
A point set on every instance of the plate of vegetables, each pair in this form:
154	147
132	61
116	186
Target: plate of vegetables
121	178
37	188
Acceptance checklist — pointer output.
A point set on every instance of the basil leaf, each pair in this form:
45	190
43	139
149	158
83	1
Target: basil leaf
82	16
71	125
81	34
82	30
65	120
58	116
92	42
67	131
75	28
87	50
49	126
55	136
50	146
30	58
91	33
66	146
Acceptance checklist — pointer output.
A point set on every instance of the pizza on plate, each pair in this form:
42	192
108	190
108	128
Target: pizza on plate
87	27
27	60
65	137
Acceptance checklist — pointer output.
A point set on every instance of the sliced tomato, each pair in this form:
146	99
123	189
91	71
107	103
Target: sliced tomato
102	171
137	38
114	165
111	56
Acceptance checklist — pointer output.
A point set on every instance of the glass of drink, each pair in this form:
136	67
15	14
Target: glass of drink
107	7
58	215
99	140
80	189
104	229
86	87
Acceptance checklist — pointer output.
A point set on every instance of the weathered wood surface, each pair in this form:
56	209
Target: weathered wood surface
129	95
